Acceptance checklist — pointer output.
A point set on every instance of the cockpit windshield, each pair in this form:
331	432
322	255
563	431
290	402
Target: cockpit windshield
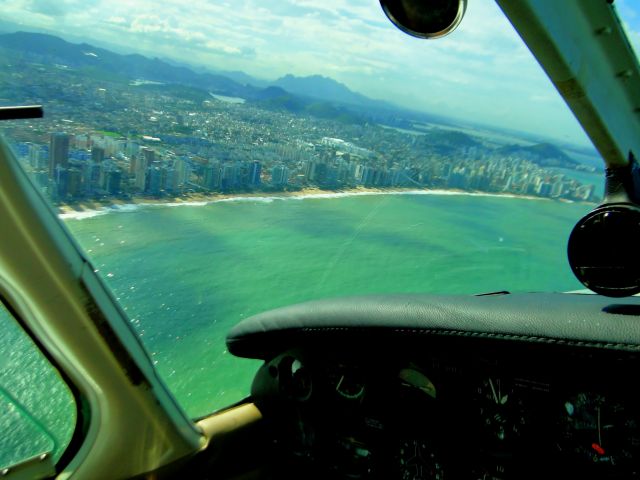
216	160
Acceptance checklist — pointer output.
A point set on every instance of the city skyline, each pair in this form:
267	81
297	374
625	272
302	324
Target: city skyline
109	166
482	72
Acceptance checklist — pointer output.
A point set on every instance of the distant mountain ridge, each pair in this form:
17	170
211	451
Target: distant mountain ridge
55	49
325	88
316	96
278	99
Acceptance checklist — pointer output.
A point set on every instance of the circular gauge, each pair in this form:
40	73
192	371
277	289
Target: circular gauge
502	412
600	431
418	461
350	386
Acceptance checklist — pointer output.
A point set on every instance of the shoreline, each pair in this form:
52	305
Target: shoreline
89	208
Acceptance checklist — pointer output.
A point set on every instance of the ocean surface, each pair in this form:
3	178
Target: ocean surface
186	273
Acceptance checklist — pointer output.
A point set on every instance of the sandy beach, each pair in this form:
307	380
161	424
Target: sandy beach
90	208
194	198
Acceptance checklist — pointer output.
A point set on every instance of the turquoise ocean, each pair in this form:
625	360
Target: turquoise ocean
186	273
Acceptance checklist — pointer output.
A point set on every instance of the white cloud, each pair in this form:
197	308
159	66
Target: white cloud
117	20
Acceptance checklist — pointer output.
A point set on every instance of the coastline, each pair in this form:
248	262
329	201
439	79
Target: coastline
88	209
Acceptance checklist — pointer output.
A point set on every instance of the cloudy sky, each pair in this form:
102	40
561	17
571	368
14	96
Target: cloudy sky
481	72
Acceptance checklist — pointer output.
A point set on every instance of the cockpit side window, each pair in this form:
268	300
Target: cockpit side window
37	409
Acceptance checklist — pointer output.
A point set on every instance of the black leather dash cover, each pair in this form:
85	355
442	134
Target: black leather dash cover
571	319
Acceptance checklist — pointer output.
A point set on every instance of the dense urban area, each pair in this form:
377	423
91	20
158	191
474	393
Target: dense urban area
109	137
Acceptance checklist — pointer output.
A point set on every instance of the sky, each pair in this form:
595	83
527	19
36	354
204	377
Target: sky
482	72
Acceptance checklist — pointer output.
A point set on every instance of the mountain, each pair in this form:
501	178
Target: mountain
544	154
243	78
168	77
278	99
294	94
236	75
52	49
324	88
271	93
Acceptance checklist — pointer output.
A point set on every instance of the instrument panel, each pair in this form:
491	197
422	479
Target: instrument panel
453	412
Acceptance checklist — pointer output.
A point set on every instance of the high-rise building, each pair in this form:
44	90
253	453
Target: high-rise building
155	181
132	165
381	178
229	179
367	176
74	185
212	176
183	171
241	174
331	176
446	170
509	184
344	172
279	175
141	179
149	155
140	168
91	176
317	173
58	152
36	157
171	182
585	192
557	189
104	167
254	173
113	181
544	189
97	154
308	166
61	177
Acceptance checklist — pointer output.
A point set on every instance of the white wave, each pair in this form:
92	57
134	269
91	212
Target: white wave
180	204
133	207
83	215
330	195
248	199
124	207
466	194
335	195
